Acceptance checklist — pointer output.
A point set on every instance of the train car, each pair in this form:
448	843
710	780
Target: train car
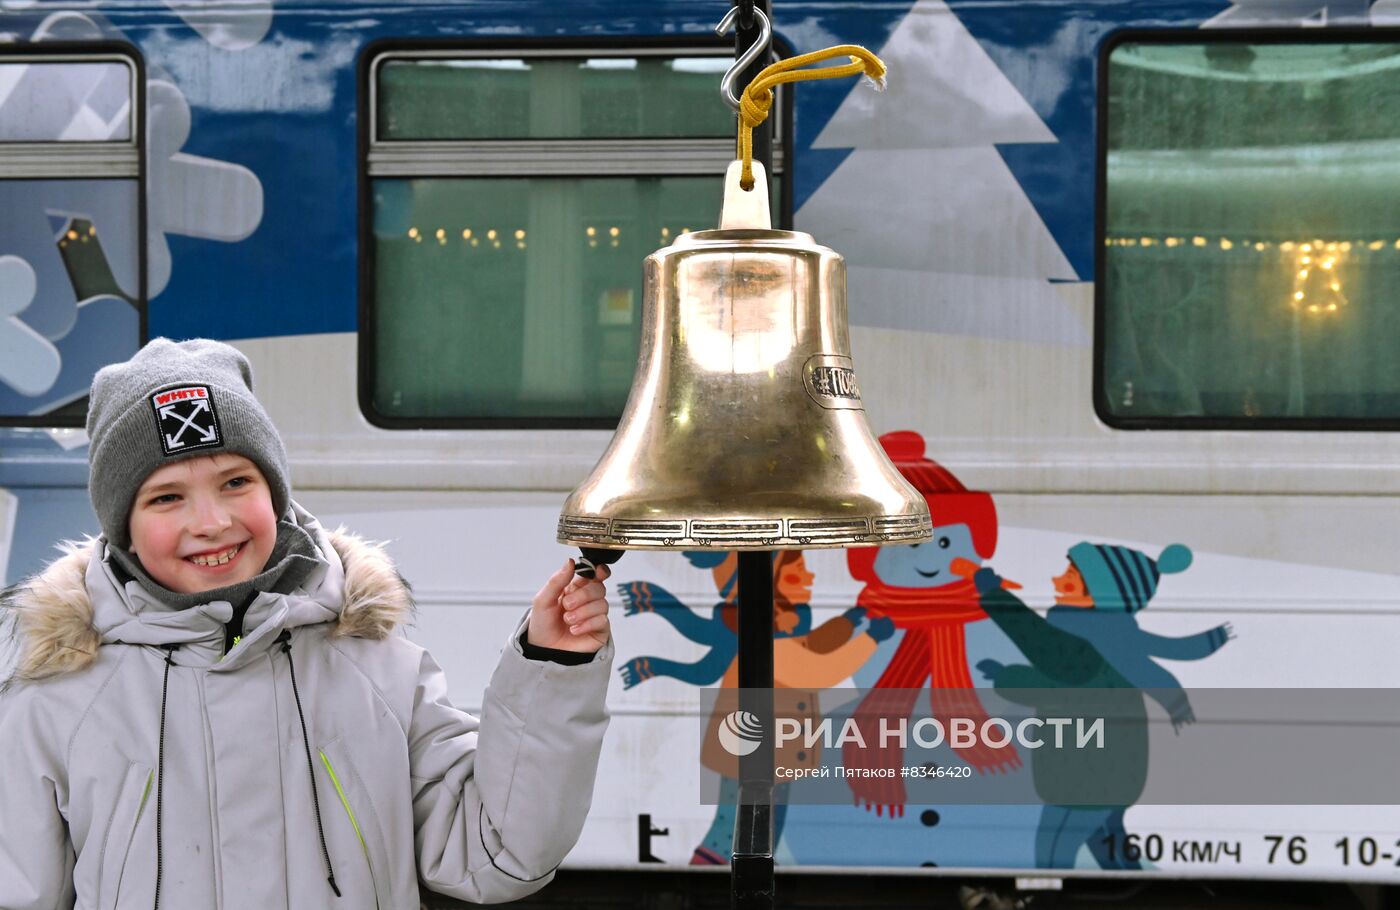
1118	275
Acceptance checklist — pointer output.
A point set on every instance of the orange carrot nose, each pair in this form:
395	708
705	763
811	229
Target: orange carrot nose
966	568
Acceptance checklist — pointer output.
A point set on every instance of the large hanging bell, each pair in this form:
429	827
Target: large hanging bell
745	428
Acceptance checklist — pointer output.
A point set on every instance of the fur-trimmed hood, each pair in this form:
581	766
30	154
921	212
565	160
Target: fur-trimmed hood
61	616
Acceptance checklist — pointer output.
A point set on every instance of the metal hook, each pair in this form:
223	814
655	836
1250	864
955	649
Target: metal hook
759	49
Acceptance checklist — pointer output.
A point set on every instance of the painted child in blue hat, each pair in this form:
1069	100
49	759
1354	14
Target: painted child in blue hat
1091	639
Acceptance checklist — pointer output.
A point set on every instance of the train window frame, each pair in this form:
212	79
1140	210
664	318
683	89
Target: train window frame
509	158
88	160
1196	36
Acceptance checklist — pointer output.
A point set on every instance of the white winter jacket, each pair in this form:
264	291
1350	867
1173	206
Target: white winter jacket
389	785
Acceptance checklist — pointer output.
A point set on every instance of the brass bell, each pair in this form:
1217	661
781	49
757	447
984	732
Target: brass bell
744	428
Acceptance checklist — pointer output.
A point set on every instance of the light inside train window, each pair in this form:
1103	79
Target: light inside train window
518	298
509	205
1250	272
552	98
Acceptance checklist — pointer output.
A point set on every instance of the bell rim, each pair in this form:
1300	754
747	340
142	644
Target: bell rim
721	535
746	548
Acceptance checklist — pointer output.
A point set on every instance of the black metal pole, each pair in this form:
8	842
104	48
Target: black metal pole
751	872
751	882
745	36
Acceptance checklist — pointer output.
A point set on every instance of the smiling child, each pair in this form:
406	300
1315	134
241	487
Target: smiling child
215	705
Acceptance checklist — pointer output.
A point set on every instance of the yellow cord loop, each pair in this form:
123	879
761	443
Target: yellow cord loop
757	99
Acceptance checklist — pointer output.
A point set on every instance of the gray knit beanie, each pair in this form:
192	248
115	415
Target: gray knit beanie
169	402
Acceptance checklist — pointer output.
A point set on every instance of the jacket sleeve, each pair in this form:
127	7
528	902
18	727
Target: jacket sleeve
36	856
498	804
831	635
799	666
1189	647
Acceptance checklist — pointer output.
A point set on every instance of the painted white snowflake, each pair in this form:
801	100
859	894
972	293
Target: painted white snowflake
28	360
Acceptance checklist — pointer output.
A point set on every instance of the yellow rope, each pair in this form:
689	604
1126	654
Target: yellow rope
757	99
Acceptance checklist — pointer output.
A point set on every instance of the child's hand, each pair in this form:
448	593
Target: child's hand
880	628
569	613
987	580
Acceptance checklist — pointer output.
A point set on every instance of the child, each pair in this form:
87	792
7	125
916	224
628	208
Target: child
1091	640
214	705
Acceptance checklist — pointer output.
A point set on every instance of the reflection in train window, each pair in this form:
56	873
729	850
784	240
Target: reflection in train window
70	100
510	202
1251	254
552	98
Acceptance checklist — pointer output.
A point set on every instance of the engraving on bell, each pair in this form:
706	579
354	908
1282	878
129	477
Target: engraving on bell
745	428
831	381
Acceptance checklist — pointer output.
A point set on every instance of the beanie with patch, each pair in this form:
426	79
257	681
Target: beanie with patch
1121	578
169	402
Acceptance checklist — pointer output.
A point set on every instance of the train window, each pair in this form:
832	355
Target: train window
1249	274
72	240
510	201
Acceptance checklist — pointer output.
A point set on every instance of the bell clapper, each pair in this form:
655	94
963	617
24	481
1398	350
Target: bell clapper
590	558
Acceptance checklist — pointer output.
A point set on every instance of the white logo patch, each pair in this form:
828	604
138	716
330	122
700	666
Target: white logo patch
185	419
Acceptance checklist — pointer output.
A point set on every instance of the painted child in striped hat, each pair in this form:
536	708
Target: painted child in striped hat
1104	587
1090	639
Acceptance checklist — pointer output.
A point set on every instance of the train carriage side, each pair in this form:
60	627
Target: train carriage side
1125	277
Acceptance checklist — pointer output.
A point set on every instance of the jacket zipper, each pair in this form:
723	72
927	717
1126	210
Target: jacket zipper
233	629
345	803
145	794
